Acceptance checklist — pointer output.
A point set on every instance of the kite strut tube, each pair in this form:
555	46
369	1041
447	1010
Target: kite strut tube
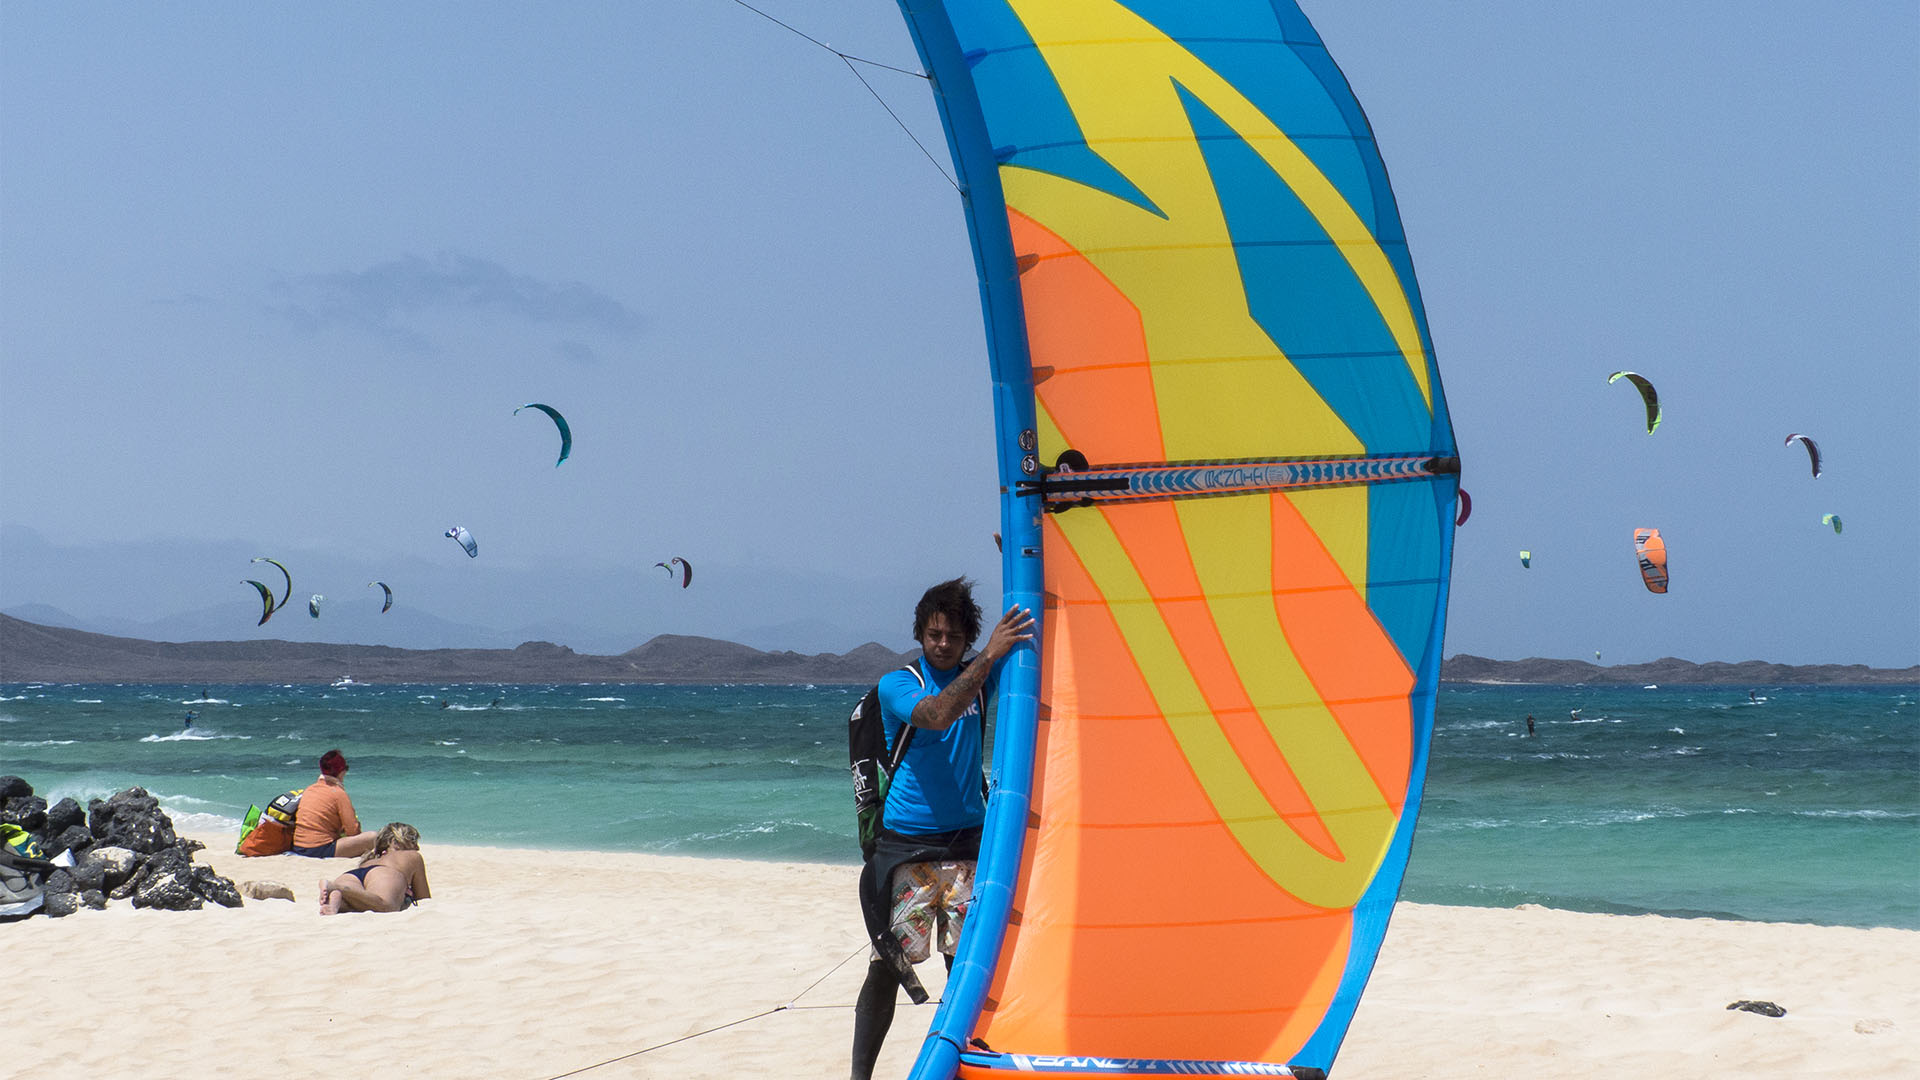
1074	483
1087	1065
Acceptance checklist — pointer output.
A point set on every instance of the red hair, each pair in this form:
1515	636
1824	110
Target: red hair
332	763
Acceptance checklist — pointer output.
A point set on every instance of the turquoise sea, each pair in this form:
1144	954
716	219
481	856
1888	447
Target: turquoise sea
1781	804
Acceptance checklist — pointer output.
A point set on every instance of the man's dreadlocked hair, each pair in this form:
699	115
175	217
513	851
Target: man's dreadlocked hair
954	599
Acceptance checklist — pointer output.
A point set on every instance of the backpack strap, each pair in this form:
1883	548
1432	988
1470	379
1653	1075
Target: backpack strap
906	737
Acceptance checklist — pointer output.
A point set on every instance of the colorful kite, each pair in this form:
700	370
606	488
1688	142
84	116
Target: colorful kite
1652	552
285	596
1647	395
686	570
1230	486
266	601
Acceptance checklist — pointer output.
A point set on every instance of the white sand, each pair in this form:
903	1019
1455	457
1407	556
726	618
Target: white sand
531	965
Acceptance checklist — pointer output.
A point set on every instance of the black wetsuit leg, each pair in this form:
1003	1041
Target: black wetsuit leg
872	1016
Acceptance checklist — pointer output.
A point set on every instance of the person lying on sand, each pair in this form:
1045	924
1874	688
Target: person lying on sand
392	877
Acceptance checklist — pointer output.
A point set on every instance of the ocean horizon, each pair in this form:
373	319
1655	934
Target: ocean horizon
1787	804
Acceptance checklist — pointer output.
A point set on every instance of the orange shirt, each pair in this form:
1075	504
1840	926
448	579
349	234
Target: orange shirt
325	814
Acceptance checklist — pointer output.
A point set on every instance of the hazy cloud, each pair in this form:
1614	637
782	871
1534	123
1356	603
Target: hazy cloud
577	352
379	298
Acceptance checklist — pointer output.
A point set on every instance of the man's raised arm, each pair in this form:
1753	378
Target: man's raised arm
937	713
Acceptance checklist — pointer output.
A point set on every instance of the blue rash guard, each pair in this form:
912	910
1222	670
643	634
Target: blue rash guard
938	786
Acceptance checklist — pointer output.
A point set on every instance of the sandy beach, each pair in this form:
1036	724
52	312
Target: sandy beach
533	965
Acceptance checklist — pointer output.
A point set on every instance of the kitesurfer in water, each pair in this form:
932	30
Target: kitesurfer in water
919	883
187	725
1529	725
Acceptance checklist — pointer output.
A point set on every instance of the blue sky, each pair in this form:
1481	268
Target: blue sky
273	279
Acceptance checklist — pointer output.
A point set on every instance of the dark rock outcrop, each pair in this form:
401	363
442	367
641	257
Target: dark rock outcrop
89	875
74	838
123	847
117	865
211	886
64	815
131	819
27	811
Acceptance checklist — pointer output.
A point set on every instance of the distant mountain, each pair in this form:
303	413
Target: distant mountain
1666	671
33	652
36	652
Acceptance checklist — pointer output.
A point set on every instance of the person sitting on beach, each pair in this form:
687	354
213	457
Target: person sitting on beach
325	826
919	882
393	876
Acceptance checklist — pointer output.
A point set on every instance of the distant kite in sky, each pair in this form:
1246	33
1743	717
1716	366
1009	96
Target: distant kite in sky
266	601
460	535
1647	395
1831	519
686	570
383	587
1526	559
286	596
1652	552
1466	508
313	605
566	433
1813	451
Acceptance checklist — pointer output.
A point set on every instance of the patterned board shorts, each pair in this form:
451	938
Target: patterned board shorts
931	897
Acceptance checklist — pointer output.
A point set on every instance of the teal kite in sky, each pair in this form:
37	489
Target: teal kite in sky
566	433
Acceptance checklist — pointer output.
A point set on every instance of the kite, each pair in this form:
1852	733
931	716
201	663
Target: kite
286	596
1831	519
1813	451
1526	559
383	587
465	539
1647	394
1466	508
686	570
1653	558
313	605
1228	487
266	601
566	433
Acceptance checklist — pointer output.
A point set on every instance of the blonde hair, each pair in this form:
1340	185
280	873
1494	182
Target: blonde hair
396	835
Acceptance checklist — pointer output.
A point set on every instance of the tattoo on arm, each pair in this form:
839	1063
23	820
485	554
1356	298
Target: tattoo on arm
940	711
